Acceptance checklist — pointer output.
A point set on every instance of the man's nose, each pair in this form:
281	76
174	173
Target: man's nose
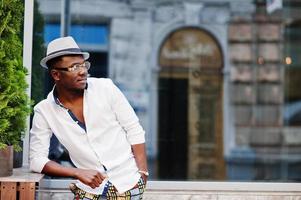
83	71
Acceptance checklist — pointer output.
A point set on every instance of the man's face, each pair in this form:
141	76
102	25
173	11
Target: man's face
70	79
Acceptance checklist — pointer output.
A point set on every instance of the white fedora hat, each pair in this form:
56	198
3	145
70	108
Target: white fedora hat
60	47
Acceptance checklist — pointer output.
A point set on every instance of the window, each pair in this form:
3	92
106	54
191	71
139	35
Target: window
292	109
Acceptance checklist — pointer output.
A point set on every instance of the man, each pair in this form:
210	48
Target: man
96	124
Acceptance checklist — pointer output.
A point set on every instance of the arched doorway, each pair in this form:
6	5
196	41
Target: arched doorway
190	106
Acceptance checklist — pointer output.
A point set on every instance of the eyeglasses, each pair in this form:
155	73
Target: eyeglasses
76	67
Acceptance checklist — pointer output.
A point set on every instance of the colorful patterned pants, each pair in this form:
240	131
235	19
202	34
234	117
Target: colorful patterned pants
110	193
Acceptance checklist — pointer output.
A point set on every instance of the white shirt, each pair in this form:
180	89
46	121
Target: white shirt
111	128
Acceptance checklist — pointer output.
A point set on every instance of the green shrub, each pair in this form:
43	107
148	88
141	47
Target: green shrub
14	102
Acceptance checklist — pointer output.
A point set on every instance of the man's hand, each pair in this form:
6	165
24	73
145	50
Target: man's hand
144	177
140	158
92	178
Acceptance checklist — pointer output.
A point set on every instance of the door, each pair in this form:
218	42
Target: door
190	106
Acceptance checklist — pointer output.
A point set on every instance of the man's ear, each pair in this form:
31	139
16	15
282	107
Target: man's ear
55	75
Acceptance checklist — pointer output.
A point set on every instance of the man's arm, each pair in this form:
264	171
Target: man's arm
140	158
130	123
39	150
93	178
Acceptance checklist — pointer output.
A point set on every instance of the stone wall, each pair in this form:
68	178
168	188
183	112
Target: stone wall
257	95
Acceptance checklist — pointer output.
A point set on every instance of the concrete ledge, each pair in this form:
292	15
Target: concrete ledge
222	186
61	184
192	190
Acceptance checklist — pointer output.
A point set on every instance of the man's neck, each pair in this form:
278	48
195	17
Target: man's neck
67	96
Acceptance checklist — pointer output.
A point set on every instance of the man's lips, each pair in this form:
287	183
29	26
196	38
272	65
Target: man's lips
82	80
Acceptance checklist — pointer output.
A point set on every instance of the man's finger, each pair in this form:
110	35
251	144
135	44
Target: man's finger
96	183
104	176
98	179
92	185
101	176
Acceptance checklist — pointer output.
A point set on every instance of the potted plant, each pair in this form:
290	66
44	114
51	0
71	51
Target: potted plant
14	102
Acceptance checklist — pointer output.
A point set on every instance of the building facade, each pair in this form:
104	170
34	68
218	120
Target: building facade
213	82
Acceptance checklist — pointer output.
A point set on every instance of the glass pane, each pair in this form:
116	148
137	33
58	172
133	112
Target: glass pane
292	75
87	34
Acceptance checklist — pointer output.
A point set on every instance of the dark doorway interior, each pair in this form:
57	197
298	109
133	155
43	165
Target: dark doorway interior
173	131
99	67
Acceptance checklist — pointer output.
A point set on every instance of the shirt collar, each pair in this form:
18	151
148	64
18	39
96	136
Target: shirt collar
56	98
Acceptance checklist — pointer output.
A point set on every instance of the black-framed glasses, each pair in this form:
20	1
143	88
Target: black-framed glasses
76	67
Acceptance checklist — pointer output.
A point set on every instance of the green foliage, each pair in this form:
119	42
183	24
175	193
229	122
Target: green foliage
14	102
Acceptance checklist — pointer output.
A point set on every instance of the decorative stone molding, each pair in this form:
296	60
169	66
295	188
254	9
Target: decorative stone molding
192	12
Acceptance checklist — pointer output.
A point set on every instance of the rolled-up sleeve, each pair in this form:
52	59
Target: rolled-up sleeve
126	116
40	135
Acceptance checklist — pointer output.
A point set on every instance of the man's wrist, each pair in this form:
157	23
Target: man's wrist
75	172
144	172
